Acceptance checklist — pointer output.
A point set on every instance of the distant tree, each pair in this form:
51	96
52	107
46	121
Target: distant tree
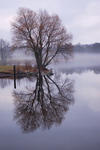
41	33
4	51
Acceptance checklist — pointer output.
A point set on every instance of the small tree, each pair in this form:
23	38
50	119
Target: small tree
41	33
4	51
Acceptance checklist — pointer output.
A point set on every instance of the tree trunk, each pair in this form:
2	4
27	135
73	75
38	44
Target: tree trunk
38	61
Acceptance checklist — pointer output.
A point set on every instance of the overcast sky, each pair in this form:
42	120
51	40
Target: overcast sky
81	17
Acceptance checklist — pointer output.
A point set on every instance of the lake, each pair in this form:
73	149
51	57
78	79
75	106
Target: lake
57	112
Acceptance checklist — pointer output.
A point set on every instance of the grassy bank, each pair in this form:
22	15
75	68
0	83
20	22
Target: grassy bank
21	69
6	69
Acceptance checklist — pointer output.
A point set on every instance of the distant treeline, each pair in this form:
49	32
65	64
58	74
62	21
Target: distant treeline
94	48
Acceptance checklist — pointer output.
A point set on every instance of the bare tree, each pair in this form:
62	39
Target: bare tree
41	33
4	51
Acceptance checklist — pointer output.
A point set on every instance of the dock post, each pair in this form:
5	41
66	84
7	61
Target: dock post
14	69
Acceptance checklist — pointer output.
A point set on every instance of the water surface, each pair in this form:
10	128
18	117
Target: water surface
66	119
78	127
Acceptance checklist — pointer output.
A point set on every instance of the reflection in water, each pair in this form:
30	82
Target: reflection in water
4	82
43	104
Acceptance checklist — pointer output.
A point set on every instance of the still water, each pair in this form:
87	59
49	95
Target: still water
57	112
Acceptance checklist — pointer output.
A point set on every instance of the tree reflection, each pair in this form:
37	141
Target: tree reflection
4	82
44	104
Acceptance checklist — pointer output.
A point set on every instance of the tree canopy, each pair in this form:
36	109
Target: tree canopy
41	33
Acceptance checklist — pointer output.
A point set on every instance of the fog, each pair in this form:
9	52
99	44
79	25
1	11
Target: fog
80	62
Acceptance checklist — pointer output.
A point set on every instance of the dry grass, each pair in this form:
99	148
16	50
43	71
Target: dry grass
25	69
6	69
9	69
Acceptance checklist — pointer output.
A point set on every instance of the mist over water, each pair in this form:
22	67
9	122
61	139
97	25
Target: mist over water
79	62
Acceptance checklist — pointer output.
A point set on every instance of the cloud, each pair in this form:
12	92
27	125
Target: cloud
89	18
5	22
5	26
87	24
81	18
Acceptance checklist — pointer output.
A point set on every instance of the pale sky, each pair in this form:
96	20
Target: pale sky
80	17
